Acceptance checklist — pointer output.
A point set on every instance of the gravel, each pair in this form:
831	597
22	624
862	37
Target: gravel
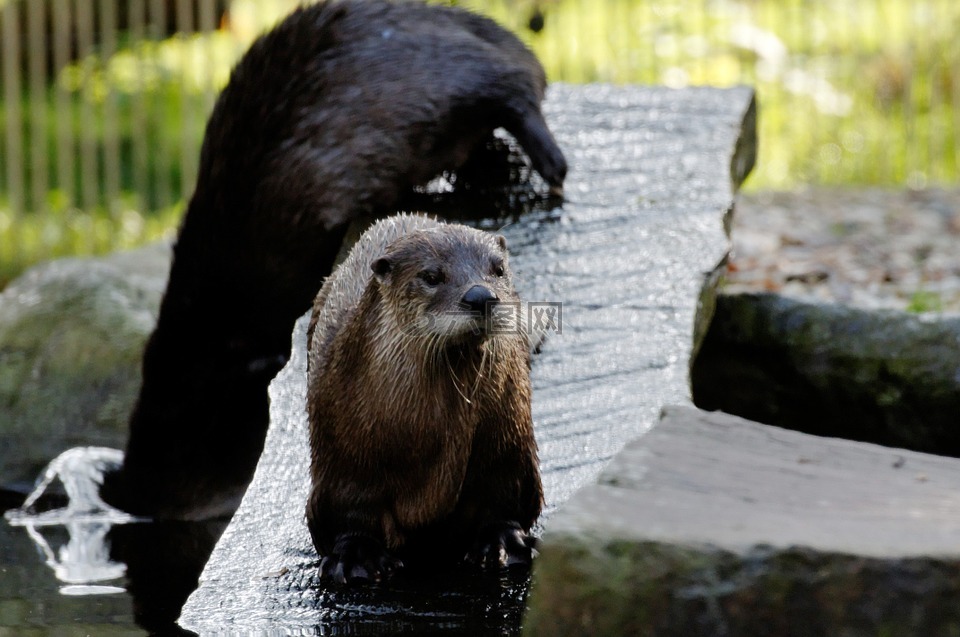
872	248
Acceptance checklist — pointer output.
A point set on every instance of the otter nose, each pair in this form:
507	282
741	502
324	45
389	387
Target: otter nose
478	299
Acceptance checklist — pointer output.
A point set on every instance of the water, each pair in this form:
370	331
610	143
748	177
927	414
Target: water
31	597
82	587
86	568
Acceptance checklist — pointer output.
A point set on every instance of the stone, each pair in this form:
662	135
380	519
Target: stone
883	376
714	525
72	333
653	174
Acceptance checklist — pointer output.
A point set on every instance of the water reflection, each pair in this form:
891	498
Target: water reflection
164	561
83	561
93	549
104	554
456	601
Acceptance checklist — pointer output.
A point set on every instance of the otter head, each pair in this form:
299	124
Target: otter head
446	283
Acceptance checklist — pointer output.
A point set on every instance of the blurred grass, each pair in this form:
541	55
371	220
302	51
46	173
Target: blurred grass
852	92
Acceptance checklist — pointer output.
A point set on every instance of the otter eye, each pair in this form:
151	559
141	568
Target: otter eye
497	268
431	277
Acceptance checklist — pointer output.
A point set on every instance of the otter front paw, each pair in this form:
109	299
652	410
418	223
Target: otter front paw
358	558
547	158
502	545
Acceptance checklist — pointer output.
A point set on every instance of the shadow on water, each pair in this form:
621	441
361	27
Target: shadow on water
72	562
164	561
454	602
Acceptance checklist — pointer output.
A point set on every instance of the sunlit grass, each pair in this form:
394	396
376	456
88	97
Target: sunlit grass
69	232
851	92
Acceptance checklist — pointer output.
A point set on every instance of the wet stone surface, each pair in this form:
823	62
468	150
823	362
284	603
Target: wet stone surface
714	525
649	185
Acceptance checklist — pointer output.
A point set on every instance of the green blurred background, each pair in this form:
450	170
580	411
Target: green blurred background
104	101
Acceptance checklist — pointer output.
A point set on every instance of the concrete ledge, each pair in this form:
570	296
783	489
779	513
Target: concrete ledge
713	525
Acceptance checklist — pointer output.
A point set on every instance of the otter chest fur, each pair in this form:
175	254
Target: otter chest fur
422	445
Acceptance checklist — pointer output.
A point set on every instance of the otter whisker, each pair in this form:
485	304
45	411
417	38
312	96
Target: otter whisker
495	353
453	377
480	373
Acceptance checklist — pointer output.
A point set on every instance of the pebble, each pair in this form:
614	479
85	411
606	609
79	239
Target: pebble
869	248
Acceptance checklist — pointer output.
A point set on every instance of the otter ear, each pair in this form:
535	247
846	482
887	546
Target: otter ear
381	267
502	242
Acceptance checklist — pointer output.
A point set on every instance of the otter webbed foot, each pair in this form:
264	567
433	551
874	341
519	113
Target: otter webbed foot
502	545
358	558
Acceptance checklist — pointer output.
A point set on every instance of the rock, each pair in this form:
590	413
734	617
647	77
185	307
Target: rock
72	333
653	172
714	525
840	349
881	376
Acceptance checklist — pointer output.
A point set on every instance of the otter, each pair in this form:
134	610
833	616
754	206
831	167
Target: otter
337	113
421	436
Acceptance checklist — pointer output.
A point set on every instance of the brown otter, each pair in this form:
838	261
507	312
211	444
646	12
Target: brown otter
420	429
337	113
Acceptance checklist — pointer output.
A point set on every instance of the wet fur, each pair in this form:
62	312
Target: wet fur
335	114
419	439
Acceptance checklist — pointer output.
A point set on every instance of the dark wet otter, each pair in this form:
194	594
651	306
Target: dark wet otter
335	114
420	430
